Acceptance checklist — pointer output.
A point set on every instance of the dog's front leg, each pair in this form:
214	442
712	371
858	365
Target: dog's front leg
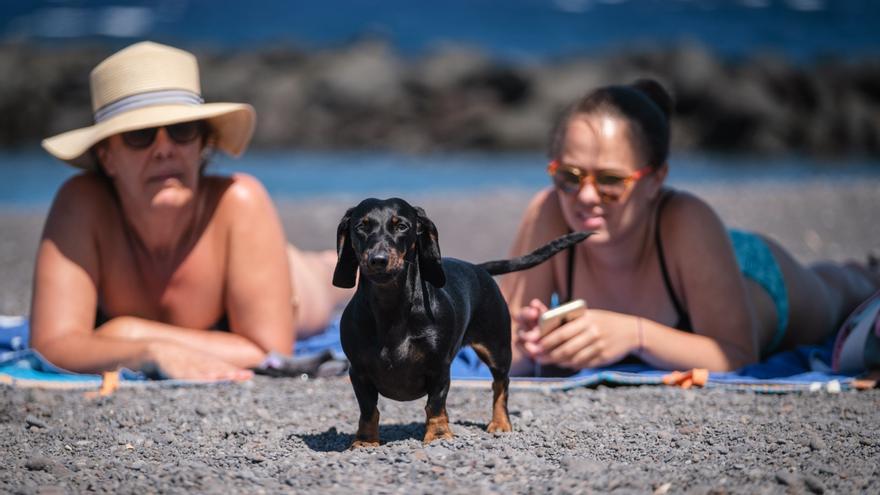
368	424
437	422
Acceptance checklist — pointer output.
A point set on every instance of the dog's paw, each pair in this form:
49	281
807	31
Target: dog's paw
360	444
430	438
499	426
437	434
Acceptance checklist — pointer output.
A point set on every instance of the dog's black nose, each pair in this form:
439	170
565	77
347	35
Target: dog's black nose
378	260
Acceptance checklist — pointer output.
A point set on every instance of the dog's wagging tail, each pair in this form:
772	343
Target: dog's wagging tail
536	257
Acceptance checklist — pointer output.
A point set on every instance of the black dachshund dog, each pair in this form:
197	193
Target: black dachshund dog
413	311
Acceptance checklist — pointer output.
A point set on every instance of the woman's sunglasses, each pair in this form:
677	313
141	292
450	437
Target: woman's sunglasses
182	133
611	185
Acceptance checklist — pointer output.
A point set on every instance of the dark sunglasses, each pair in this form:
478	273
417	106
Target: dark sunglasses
182	133
611	185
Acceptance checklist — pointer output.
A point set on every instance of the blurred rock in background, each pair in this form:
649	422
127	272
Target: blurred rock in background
363	95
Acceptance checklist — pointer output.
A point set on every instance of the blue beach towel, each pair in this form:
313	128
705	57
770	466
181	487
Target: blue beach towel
806	368
23	366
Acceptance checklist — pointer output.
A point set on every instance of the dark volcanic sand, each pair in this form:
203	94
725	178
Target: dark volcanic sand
274	435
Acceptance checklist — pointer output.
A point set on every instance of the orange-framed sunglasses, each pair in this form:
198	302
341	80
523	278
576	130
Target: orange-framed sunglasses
611	185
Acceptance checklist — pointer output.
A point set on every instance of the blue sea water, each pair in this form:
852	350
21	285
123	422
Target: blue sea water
29	179
512	29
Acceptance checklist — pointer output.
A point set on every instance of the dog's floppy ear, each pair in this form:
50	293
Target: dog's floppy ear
346	262
429	251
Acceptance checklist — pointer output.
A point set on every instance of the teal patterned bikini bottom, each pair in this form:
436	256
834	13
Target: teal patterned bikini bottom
757	263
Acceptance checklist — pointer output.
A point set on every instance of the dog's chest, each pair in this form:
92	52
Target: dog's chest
405	352
400	369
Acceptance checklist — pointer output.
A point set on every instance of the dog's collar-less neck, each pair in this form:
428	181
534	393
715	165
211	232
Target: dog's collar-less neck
386	296
398	297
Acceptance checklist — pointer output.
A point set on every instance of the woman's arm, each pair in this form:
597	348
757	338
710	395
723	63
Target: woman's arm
601	338
258	286
541	222
706	276
230	347
65	292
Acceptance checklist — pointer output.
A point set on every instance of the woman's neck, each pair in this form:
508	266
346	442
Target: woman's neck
629	252
161	233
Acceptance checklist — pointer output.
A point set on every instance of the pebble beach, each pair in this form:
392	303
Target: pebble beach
291	435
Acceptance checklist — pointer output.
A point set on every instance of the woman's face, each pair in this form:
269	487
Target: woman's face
163	174
602	143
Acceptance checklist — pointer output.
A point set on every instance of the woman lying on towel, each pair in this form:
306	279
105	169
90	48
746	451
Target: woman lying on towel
664	279
149	264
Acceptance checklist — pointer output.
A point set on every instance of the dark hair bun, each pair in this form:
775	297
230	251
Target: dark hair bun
656	93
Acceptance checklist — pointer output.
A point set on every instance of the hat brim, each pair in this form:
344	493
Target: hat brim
232	125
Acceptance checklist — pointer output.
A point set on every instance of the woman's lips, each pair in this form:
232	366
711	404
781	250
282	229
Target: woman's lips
591	222
163	177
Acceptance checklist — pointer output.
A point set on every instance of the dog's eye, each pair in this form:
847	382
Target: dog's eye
364	226
402	227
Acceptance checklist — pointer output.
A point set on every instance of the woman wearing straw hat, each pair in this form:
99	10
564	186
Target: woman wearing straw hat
158	250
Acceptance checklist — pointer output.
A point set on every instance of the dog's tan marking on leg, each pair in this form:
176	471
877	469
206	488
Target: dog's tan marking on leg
368	432
484	354
437	427
500	419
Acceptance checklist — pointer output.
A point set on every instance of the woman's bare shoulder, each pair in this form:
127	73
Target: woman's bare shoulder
679	199
685	212
541	222
84	186
84	212
86	196
690	227
545	213
240	198
543	202
239	190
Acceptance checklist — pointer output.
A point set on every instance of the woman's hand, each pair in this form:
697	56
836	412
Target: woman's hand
598	338
528	333
171	360
167	358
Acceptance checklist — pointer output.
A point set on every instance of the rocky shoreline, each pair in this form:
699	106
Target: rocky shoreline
366	96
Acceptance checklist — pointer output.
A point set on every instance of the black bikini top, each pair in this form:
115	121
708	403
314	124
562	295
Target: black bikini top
684	319
222	324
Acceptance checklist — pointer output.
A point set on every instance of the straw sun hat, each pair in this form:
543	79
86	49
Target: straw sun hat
150	85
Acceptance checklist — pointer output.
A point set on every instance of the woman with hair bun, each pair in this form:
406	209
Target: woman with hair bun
665	281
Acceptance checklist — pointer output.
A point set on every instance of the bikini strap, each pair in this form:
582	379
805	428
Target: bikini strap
683	317
570	280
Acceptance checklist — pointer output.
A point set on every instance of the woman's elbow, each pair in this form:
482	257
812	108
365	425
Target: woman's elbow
42	345
266	344
737	357
55	349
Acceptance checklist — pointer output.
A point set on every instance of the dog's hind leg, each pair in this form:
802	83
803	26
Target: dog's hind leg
368	425
500	392
499	365
437	421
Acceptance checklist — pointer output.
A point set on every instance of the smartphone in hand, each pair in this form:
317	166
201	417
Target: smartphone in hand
561	315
